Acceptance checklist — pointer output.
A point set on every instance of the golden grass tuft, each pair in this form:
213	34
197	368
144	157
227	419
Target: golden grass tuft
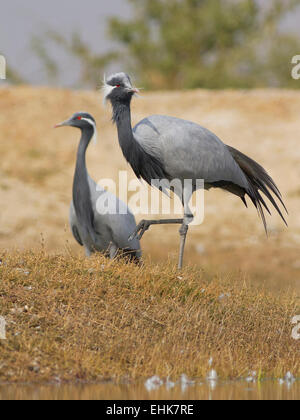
76	319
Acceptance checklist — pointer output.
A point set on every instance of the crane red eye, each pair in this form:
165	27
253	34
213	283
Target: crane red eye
118	86
79	118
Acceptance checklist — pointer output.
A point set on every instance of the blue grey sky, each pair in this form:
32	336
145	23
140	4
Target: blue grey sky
20	20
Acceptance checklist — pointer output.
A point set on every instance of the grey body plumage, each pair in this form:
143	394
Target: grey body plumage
91	227
166	147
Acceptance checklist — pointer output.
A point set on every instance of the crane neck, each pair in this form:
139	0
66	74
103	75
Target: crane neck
86	136
122	119
144	164
81	190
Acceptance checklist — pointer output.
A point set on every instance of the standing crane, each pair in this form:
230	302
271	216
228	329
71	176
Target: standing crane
92	225
166	148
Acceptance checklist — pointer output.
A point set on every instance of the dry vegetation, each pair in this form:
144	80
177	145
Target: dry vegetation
90	319
77	319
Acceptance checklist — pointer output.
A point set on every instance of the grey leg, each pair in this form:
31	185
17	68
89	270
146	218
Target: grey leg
183	233
144	225
113	251
88	252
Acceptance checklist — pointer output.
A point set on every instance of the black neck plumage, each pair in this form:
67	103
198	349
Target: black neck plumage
144	165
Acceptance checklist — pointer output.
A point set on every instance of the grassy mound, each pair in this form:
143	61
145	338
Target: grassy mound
76	319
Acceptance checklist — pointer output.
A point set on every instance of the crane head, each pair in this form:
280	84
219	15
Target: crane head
118	87
81	120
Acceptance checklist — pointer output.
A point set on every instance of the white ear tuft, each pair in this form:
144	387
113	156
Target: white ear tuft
95	135
106	89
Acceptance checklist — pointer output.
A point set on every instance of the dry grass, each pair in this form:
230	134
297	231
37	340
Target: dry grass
78	319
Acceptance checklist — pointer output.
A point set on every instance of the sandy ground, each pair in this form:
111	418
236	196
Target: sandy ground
37	165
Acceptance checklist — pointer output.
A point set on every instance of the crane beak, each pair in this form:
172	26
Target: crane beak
134	90
62	124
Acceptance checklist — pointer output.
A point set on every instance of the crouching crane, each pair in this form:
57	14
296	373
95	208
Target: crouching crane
162	147
92	226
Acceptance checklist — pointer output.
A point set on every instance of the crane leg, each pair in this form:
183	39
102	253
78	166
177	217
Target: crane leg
144	225
113	251
88	252
183	234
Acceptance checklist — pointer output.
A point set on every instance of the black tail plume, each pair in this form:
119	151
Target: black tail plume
259	181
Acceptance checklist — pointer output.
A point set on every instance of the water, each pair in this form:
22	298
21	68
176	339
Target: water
239	390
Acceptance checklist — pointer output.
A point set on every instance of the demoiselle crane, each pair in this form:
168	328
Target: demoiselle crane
162	147
92	225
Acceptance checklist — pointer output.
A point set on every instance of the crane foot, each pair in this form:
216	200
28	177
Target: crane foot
142	227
